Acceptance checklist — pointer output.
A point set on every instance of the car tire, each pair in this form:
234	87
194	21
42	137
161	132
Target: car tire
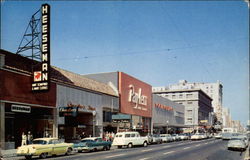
43	155
119	147
130	145
145	144
69	151
108	147
28	157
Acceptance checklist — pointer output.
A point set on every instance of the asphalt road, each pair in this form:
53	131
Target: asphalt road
210	149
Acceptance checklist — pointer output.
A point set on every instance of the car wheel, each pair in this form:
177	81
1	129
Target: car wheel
145	144
130	145
28	157
108	147
79	151
95	149
43	155
69	150
119	147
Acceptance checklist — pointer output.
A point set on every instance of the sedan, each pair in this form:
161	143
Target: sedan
92	144
156	139
44	147
197	136
236	143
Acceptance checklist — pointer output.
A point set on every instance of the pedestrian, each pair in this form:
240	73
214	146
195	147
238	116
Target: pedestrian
29	138
24	139
83	135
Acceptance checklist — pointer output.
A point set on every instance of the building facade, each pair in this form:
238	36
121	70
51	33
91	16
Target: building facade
197	105
167	116
135	97
226	117
214	90
73	104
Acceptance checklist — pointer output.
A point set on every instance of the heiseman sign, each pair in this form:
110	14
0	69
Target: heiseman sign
41	78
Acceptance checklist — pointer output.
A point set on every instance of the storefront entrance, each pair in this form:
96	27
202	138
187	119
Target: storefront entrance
75	126
39	121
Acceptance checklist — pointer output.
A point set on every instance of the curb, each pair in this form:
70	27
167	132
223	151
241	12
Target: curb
247	157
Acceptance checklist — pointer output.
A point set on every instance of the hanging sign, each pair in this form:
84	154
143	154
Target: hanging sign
41	78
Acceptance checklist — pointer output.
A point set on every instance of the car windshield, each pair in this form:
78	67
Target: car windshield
39	142
87	140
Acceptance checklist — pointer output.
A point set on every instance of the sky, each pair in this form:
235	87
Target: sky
158	42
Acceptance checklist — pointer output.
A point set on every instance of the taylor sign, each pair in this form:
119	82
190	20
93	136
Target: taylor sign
137	98
41	78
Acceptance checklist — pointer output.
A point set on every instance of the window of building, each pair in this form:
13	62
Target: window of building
189	102
173	96
180	95
189	95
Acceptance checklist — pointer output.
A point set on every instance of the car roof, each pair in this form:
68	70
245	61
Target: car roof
91	138
46	139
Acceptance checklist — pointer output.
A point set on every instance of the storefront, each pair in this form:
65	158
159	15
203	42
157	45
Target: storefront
168	116
83	105
135	99
22	109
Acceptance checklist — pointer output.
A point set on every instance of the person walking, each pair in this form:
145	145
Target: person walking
24	139
29	137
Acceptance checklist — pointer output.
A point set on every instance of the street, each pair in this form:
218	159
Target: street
209	149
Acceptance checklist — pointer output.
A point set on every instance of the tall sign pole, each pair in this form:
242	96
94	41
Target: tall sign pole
42	77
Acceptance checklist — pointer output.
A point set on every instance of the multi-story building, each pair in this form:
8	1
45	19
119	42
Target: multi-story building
197	104
214	90
226	117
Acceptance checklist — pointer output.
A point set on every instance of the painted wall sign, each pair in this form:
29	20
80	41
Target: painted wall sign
41	78
68	111
135	96
168	108
20	108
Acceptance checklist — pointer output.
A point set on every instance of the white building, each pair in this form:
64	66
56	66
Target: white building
226	117
214	90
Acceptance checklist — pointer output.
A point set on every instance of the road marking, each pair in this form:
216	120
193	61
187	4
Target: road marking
206	143
169	152
144	158
115	156
186	147
145	150
166	146
197	145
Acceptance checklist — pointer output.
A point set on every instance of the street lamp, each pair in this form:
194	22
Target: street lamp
167	126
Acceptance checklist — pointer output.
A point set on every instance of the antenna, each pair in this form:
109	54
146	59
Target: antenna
31	40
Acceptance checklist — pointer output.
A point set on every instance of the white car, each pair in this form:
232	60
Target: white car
218	136
183	136
197	136
236	143
129	139
166	138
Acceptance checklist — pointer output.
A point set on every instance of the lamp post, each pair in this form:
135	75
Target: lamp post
167	126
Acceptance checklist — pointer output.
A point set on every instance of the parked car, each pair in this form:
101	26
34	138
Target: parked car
129	139
156	138
176	137
44	147
218	136
166	138
236	143
92	144
183	136
197	136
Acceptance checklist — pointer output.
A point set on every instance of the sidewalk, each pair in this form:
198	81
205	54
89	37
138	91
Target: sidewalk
8	153
247	156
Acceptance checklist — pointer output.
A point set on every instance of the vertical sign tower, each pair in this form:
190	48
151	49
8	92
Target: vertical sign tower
42	77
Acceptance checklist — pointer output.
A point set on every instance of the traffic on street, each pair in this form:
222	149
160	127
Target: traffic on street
208	148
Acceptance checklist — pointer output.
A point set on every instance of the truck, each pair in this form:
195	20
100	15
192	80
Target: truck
129	139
